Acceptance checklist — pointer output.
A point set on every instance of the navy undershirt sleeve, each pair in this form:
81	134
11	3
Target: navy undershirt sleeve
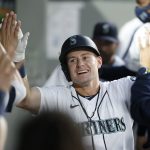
140	99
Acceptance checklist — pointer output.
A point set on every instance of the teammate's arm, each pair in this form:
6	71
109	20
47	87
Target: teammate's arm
140	92
9	38
32	100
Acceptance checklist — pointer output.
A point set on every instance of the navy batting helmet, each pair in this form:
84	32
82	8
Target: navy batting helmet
76	43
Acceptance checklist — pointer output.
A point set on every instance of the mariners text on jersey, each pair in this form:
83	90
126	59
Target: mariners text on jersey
107	126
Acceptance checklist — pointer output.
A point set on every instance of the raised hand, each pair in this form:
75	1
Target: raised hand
9	31
21	48
144	45
7	68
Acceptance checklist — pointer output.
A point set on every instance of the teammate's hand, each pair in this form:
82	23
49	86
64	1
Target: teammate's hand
21	47
9	31
144	45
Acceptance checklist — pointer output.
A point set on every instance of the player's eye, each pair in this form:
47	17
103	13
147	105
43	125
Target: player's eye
85	58
72	60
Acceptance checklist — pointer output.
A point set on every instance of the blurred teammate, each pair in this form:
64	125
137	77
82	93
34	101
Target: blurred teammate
105	36
131	54
50	131
11	86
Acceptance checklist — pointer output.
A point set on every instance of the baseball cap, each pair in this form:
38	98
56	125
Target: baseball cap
105	31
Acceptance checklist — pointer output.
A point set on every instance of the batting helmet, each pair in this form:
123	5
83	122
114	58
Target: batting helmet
76	43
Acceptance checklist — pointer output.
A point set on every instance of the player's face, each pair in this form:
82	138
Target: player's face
107	49
83	67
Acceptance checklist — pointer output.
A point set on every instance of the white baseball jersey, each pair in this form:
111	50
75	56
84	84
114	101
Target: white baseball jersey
118	61
105	120
125	35
20	93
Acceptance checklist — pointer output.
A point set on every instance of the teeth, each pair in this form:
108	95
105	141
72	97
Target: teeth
82	72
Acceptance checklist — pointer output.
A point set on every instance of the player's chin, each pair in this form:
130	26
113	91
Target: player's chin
82	81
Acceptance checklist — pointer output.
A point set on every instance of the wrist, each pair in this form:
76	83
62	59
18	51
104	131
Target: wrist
2	95
22	71
148	70
143	70
19	57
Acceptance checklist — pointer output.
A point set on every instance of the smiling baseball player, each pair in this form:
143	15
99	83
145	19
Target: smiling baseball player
102	110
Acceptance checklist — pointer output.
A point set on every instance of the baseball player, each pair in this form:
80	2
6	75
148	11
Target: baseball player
105	36
7	71
13	88
102	110
5	77
129	49
127	31
126	49
50	131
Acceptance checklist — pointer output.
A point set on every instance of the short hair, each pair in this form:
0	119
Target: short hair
52	130
140	2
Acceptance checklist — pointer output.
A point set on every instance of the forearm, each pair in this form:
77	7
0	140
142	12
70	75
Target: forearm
140	99
32	100
110	73
3	132
2	98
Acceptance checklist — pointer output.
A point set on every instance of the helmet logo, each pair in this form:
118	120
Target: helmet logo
106	28
73	41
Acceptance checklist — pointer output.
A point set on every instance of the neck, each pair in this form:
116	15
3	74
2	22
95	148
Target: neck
87	90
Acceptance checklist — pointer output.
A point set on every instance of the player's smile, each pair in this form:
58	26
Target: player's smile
80	72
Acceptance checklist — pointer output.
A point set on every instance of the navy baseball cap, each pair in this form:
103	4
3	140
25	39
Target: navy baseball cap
105	31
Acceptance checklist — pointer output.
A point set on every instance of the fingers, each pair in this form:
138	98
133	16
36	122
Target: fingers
9	31
17	29
12	22
20	34
6	72
144	45
9	23
25	38
144	39
11	26
147	34
4	22
3	54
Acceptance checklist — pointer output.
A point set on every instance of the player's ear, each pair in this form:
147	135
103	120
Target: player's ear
99	59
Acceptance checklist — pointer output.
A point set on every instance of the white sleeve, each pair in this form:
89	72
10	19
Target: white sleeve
125	34
6	99
123	89
49	100
54	98
20	91
14	96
